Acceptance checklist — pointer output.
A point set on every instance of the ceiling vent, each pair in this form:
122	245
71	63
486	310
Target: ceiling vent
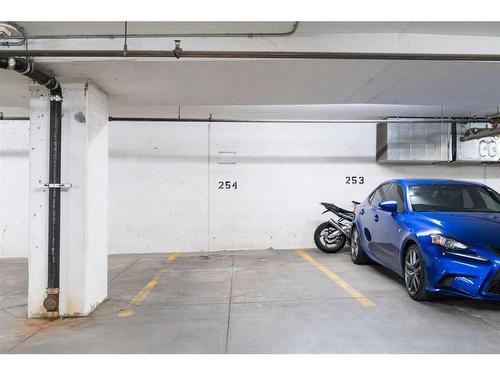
420	143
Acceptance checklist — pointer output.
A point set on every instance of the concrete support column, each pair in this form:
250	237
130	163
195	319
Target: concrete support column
84	211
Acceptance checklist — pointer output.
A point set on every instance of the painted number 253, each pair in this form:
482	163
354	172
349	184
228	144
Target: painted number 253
228	184
354	180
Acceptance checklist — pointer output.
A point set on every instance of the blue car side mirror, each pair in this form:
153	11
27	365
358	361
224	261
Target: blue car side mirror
389	206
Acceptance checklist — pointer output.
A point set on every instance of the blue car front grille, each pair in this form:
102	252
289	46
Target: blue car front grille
496	250
495	285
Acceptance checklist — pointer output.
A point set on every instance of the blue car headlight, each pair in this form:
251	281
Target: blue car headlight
451	246
447	243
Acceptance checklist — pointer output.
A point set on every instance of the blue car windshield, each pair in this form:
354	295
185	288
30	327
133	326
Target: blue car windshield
453	198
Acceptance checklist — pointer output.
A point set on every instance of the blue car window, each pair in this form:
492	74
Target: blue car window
378	195
453	197
395	193
468	202
487	201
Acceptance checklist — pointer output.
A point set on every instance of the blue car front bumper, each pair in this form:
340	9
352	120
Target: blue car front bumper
451	274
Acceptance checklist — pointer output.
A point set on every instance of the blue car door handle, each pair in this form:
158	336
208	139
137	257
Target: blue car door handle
375	217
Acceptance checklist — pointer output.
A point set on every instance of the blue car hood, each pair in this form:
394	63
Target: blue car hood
470	228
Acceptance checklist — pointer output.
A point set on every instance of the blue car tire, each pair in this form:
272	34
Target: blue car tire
414	274
358	255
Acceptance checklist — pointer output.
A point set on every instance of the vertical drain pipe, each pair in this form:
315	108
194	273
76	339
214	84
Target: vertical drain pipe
51	302
54	185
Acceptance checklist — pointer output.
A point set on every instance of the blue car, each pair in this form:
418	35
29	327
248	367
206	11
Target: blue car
440	236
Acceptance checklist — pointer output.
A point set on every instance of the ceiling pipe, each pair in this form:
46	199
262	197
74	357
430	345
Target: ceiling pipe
413	120
476	133
54	185
170	35
254	55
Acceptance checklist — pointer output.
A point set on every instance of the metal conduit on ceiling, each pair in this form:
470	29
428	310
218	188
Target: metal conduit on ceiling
179	53
406	120
289	32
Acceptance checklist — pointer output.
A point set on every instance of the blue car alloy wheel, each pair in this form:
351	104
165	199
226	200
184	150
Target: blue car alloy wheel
440	236
414	274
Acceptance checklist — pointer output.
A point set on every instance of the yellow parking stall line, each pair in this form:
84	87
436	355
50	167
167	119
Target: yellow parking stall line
126	313
172	257
366	302
141	296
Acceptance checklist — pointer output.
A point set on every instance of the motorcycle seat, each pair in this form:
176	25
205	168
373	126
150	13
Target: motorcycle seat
334	208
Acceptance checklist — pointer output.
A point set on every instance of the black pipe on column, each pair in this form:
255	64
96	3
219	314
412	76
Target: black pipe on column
28	69
51	303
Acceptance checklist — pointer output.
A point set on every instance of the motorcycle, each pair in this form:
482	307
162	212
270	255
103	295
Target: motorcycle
332	235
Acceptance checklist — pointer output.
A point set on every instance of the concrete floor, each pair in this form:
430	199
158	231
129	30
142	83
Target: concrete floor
271	301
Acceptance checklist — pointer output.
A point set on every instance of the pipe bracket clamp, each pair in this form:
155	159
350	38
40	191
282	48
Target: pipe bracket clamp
61	186
55	98
11	65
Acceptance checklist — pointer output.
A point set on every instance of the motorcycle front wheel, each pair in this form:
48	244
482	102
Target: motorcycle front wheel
329	239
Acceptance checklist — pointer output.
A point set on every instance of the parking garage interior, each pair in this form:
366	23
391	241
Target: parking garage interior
193	158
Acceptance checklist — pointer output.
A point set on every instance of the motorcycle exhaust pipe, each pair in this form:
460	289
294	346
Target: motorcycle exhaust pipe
338	227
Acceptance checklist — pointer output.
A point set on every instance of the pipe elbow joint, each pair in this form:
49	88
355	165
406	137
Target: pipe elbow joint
55	89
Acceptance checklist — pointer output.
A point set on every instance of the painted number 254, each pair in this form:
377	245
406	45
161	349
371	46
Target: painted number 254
354	180
228	184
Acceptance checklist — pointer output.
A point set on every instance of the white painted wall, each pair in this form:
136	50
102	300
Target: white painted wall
14	188
284	171
158	187
159	181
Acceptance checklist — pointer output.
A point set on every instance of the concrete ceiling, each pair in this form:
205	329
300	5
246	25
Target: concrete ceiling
461	87
471	85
